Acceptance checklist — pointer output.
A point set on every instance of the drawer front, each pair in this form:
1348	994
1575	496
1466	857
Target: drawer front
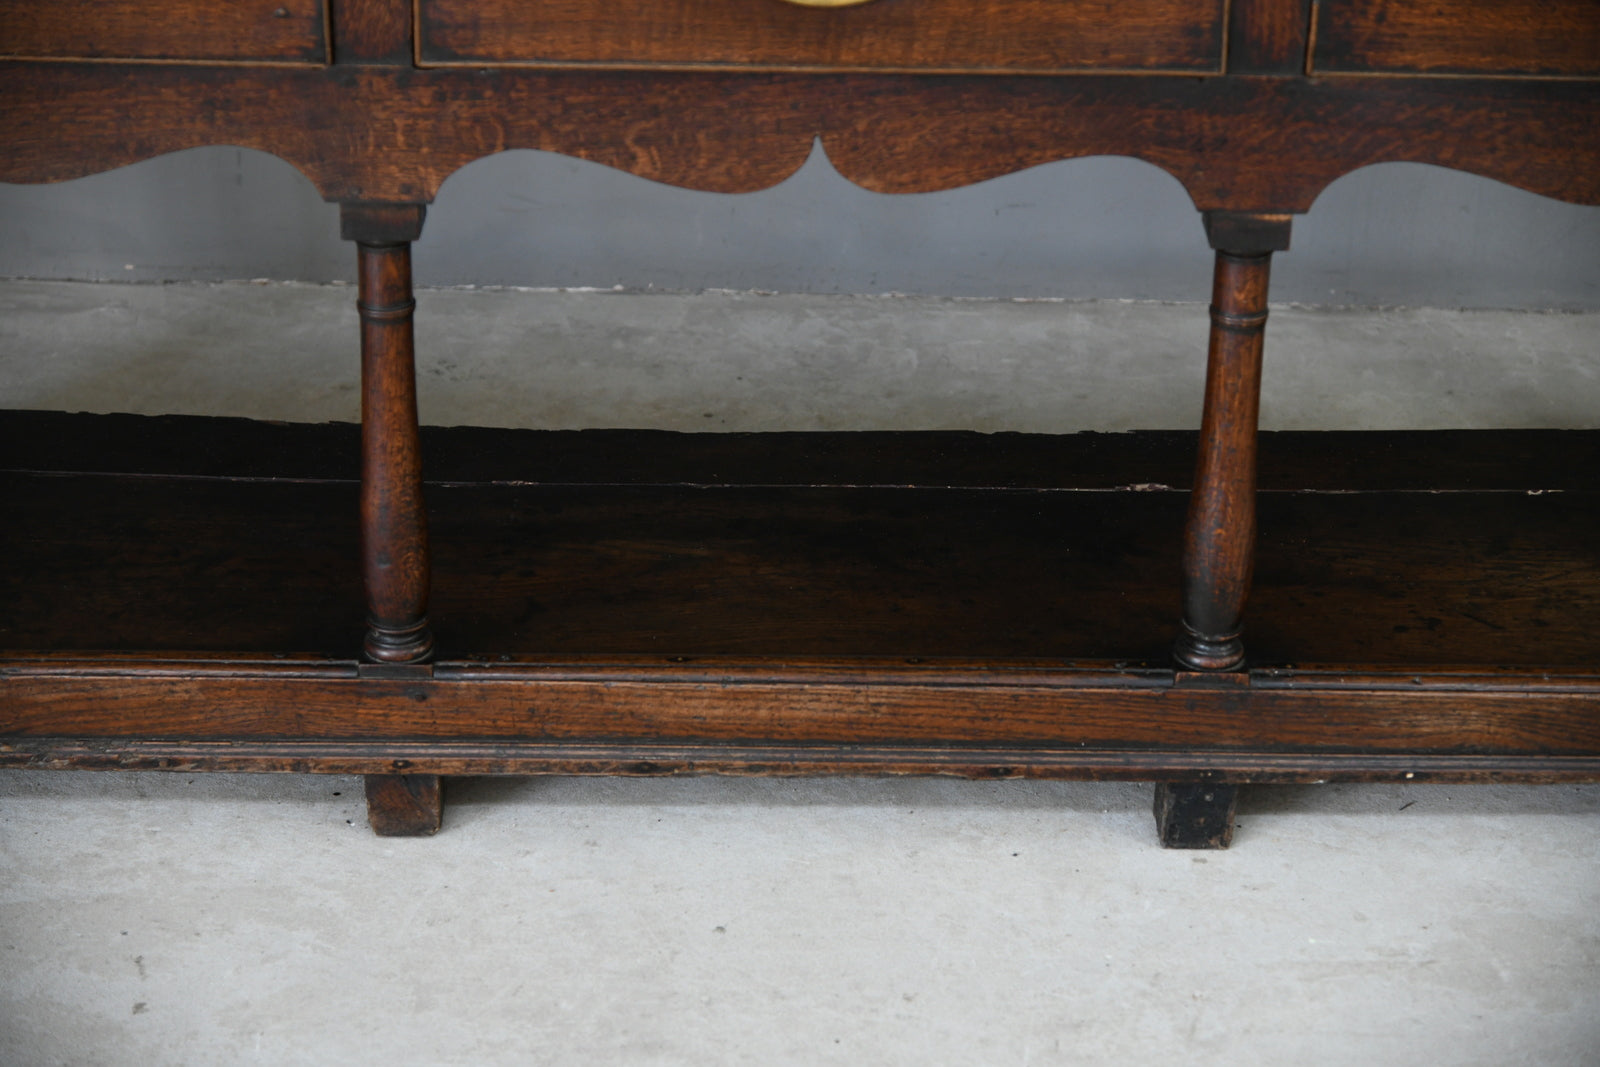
248	31
1535	38
1045	36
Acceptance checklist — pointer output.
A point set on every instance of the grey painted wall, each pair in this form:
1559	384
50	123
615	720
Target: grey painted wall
1395	234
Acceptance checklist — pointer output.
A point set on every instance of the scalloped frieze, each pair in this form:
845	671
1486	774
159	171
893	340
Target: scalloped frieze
395	135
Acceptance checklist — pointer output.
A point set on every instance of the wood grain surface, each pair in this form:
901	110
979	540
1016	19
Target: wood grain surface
394	522
1241	143
152	564
278	31
1043	36
1559	38
404	805
372	32
829	704
1268	36
1411	548
1219	539
646	759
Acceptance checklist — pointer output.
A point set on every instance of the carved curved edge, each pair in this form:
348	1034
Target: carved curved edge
1234	143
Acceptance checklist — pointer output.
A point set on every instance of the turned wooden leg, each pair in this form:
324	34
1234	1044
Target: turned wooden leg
1219	538
404	805
1195	814
1220	535
394	525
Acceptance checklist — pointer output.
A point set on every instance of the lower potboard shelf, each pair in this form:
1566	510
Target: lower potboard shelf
183	593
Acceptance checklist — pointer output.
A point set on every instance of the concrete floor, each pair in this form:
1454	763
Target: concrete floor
748	361
171	919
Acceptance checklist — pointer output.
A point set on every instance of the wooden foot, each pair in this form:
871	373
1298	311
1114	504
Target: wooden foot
1220	535
1195	814
394	527
404	805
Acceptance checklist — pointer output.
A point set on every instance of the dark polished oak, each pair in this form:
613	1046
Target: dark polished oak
404	805
891	613
1220	534
1558	38
394	522
1245	143
182	594
255	32
1038	36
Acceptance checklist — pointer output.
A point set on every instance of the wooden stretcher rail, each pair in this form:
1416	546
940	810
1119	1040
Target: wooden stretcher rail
653	760
1517	714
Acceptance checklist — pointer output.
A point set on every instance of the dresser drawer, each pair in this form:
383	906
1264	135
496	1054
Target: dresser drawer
1547	38
1044	36
251	31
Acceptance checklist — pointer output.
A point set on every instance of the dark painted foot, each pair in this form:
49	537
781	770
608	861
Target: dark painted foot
404	805
1195	814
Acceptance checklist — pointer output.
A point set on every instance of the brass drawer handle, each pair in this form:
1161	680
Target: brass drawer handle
826	3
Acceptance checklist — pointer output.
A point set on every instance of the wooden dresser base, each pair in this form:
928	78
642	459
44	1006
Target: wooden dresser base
180	596
215	595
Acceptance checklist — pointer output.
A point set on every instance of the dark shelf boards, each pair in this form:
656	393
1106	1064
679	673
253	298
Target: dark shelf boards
183	592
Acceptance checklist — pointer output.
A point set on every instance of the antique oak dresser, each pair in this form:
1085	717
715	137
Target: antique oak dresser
194	594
